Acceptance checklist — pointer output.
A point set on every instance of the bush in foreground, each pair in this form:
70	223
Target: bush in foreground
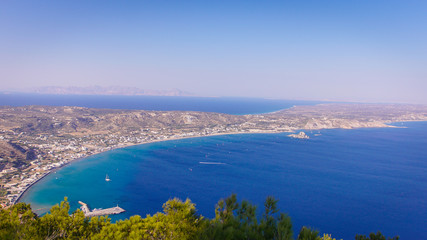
179	220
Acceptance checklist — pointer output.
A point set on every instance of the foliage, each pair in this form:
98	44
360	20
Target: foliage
373	236
238	221
179	220
19	222
308	234
328	237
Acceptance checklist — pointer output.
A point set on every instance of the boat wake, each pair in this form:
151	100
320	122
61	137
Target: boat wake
213	163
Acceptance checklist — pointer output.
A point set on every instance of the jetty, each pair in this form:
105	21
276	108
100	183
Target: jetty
100	212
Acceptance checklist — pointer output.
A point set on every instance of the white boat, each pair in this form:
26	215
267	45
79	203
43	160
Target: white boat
107	178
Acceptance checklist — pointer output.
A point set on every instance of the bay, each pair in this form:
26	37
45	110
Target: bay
341	182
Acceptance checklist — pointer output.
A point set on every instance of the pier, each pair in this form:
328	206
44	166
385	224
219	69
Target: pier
100	212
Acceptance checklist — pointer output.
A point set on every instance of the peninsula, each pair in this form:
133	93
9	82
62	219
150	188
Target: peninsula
34	140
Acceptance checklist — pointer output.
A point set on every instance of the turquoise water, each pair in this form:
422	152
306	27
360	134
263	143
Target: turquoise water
342	182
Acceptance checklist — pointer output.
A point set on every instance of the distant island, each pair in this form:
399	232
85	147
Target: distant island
111	90
34	140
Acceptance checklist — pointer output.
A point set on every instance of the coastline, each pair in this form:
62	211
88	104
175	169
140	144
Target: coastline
119	147
29	186
69	137
189	152
386	125
281	135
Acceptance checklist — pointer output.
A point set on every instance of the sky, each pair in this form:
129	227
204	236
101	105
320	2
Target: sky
364	50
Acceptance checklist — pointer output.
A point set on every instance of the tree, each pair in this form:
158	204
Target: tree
308	234
179	220
373	236
17	222
238	221
284	228
59	224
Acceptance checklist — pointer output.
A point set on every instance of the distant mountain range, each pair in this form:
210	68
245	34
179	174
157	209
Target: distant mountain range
111	90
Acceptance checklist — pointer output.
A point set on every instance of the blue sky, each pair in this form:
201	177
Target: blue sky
371	51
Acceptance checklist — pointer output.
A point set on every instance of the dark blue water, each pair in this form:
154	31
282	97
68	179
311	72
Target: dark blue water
236	106
342	182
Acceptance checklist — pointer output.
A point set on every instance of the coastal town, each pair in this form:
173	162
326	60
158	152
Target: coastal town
55	153
36	140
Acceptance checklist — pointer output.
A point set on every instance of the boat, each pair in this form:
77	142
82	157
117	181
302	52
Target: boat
107	179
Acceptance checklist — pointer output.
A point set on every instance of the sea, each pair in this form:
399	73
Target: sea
342	182
229	105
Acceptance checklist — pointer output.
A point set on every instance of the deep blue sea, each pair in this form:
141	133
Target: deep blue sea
341	182
237	106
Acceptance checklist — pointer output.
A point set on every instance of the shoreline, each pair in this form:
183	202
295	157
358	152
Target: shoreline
386	125
120	147
29	186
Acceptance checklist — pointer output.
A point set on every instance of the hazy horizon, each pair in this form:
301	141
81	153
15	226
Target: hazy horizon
164	93
356	51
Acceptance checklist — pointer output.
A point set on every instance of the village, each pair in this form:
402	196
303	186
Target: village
54	153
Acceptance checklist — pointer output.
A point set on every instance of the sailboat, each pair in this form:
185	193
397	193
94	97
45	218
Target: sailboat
107	179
